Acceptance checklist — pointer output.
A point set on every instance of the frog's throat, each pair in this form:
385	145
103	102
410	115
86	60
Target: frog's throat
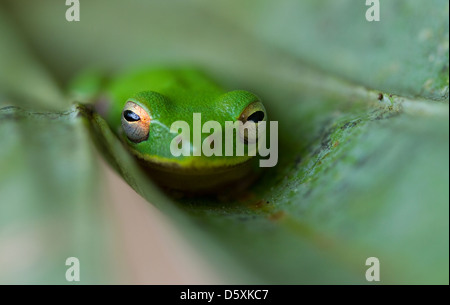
191	164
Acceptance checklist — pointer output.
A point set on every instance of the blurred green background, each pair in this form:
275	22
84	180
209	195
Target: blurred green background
357	176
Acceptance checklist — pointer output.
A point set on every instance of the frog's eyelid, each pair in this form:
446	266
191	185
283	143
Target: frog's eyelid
153	121
254	111
160	124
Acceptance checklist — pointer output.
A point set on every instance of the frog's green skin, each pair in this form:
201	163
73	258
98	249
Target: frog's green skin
171	95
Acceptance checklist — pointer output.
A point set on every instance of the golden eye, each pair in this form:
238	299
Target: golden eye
135	122
254	113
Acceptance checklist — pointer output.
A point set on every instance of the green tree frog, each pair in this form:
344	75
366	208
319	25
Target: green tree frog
141	107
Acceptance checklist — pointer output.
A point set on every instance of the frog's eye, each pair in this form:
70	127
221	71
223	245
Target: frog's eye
256	113
135	122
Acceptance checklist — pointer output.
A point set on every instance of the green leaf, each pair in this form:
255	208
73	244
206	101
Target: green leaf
406	52
22	76
50	208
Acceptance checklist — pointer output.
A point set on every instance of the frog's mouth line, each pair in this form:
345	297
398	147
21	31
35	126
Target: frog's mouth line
191	164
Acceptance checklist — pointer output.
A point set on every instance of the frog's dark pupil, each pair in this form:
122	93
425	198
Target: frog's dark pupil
130	116
256	116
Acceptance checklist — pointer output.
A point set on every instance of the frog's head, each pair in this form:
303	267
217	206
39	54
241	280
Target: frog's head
148	116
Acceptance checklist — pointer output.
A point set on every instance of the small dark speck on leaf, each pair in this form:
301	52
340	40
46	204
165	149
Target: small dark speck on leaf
380	96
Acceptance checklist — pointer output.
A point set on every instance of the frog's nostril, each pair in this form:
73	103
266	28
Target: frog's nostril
130	116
